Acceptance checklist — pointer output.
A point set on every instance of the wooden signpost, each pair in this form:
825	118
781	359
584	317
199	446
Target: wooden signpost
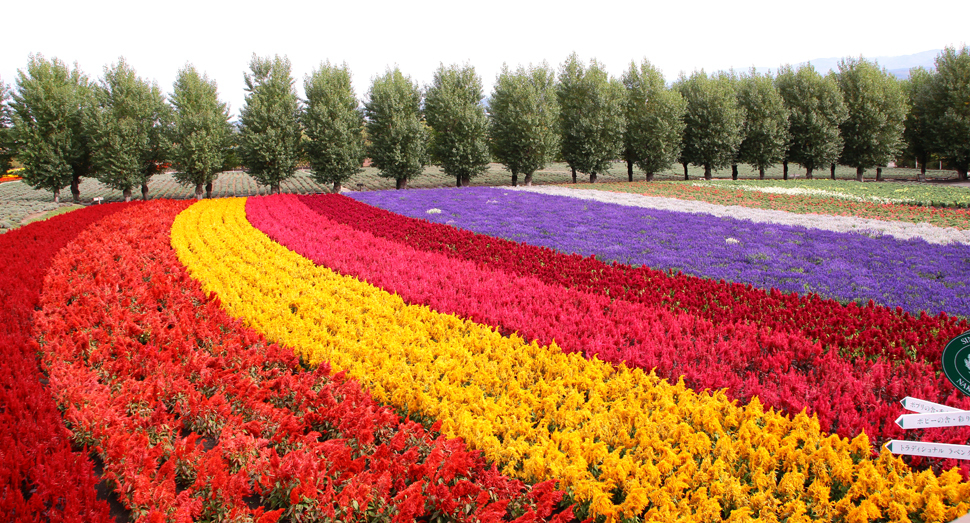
956	368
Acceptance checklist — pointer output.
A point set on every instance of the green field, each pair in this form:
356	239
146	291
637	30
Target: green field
18	201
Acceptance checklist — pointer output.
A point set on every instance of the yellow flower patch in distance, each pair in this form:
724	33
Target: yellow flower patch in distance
626	443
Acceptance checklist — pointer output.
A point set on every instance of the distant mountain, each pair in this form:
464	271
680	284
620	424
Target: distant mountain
896	65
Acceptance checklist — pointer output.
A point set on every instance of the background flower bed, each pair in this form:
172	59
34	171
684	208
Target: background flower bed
910	274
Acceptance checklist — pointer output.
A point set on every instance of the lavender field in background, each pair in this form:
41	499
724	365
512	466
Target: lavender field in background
911	274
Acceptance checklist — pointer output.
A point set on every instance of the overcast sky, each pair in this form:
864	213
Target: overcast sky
219	38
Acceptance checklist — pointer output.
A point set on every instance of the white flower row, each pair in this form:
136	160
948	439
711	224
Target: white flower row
868	226
803	191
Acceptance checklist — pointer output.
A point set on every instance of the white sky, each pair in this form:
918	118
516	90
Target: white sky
157	38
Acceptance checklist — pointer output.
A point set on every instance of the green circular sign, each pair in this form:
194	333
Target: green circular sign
956	362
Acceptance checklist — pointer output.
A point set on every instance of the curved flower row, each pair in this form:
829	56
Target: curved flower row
41	478
785	371
199	418
910	274
870	331
625	443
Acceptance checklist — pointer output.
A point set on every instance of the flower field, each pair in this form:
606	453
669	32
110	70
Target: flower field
317	357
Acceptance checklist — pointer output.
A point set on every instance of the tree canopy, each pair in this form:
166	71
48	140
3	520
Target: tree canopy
815	110
395	126
654	120
591	116
126	129
765	122
524	119
49	111
6	133
876	106
270	137
333	124
950	99
714	121
200	134
459	126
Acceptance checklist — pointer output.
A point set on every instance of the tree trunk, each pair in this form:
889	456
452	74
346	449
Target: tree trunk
402	183
144	191
57	196
832	170
922	172
76	188
962	172
761	173
198	191
515	179
686	175
629	169
127	194
336	186
707	172
528	180
466	180
878	174
734	171
858	173
574	174
208	190
809	173
784	170
592	177
649	176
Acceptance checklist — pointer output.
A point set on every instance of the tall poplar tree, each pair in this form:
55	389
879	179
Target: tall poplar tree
524	120
950	92
270	138
395	126
459	126
876	105
714	121
591	116
815	112
200	135
333	123
918	124
765	122
654	120
126	130
50	106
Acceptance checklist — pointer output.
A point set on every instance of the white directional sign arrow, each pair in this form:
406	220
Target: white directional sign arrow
929	450
925	407
941	419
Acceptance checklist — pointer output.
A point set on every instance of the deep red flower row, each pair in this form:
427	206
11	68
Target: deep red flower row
489	280
197	417
41	478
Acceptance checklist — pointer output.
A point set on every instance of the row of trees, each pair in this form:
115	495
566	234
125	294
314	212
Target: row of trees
121	129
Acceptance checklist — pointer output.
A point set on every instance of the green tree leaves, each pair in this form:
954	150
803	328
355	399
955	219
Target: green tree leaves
591	116
270	138
524	120
49	109
816	110
654	120
333	125
950	107
126	129
6	133
459	126
714	121
395	126
876	105
200	134
765	122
